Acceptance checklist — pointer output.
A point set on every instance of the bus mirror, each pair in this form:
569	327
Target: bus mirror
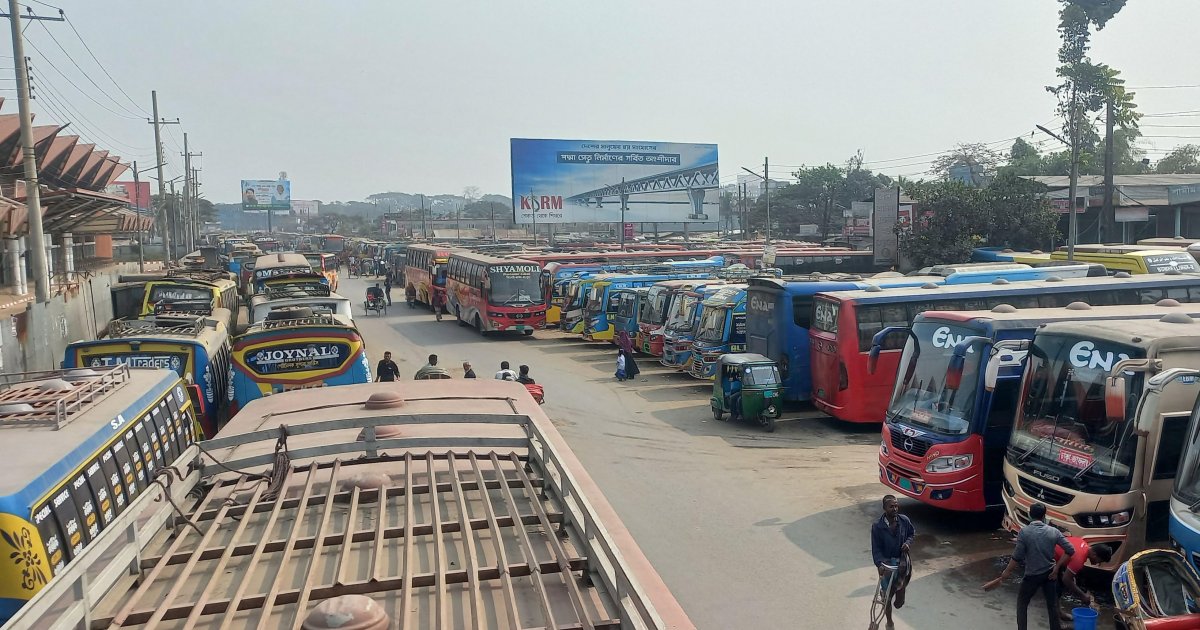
954	372
873	358
1114	398
991	373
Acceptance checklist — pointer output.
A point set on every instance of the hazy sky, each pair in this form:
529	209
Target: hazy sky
356	97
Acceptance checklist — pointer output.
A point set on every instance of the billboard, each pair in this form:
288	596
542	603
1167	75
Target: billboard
588	181
304	208
885	217
259	195
125	190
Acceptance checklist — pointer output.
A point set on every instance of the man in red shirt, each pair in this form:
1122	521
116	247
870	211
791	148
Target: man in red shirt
1084	553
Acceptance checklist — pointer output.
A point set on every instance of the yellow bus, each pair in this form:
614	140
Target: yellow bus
192	286
1132	258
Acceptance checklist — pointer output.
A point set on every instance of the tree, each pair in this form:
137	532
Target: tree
817	197
954	218
974	154
471	193
1182	159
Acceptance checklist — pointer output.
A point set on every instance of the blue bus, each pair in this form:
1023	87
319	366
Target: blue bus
629	306
81	448
779	311
296	349
680	330
721	329
601	302
195	347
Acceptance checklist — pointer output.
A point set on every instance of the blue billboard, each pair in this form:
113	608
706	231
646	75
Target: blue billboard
610	181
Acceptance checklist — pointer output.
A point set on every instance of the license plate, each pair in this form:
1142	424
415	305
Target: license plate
521	327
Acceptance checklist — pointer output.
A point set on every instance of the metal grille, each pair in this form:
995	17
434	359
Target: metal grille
911	445
297	290
441	540
55	407
1042	493
275	324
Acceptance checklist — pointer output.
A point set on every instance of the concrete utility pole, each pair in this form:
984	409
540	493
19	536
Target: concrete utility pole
767	183
168	223
1108	218
187	194
1073	225
492	205
137	203
424	226
33	197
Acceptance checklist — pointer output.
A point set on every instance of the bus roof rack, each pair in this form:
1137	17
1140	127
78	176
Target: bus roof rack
52	398
183	324
206	275
312	319
275	292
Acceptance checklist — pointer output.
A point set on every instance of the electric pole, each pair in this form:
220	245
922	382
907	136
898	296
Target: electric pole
767	183
492	205
137	203
1073	217
424	225
168	224
33	198
1108	218
189	195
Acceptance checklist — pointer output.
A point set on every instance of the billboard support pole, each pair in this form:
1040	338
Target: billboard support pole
137	204
533	206
624	203
492	205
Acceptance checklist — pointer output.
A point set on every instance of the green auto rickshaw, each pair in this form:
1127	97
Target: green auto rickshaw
747	386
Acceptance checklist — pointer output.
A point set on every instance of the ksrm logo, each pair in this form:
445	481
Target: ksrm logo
545	202
1085	355
943	338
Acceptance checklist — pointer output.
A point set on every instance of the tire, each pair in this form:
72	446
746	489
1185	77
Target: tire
767	421
528	333
479	327
718	415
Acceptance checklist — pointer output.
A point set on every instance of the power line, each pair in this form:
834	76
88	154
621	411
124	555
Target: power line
86	75
1161	87
79	89
69	114
102	68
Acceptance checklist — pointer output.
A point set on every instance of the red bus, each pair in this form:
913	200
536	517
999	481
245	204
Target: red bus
425	270
845	325
495	294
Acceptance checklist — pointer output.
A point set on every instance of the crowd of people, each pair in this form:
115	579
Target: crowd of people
387	371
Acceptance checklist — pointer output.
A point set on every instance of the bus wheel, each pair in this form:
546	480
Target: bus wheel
479	326
528	333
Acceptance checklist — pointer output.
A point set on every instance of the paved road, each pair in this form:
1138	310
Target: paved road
748	529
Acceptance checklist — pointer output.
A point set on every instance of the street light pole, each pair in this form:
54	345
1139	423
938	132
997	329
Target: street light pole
1072	186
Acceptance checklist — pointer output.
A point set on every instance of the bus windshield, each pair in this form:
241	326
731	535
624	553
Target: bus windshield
627	306
921	396
712	324
1187	484
654	307
514	285
179	292
1062	432
685	312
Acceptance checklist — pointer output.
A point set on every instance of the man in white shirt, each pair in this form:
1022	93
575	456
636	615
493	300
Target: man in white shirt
505	373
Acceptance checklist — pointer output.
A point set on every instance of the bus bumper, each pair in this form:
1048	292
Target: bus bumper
1016	516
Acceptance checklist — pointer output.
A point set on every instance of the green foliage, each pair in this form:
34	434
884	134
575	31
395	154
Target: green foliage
954	218
973	154
817	197
1183	159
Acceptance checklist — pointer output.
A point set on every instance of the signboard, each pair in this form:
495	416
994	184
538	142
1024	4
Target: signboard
884	217
125	190
1181	261
298	358
1183	193
768	258
161	360
304	208
259	195
1129	215
588	181
628	231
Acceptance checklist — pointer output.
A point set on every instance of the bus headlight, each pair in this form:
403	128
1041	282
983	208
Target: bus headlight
949	463
1110	519
883	448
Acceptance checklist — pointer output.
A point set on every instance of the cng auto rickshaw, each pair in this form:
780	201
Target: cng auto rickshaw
1156	589
747	386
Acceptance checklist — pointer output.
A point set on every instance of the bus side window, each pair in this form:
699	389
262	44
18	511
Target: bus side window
802	311
894	315
1171	440
1150	295
869	323
1004	404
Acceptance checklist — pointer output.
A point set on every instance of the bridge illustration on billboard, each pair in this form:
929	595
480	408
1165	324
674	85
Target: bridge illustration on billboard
695	181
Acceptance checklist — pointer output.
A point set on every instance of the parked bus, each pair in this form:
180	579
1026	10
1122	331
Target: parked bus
779	311
296	349
192	286
326	265
1168	242
845	323
1185	494
332	243
1133	259
947	431
277	266
495	294
196	347
556	276
1100	429
317	297
352	493
81	449
425	270
681	326
720	330
656	307
601	303
629	306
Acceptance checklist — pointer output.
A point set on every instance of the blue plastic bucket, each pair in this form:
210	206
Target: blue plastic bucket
1085	618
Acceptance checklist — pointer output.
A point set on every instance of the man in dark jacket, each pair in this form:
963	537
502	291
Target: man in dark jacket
387	370
891	537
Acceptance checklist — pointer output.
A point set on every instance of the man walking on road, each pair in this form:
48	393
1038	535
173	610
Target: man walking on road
1035	548
387	370
891	537
468	371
